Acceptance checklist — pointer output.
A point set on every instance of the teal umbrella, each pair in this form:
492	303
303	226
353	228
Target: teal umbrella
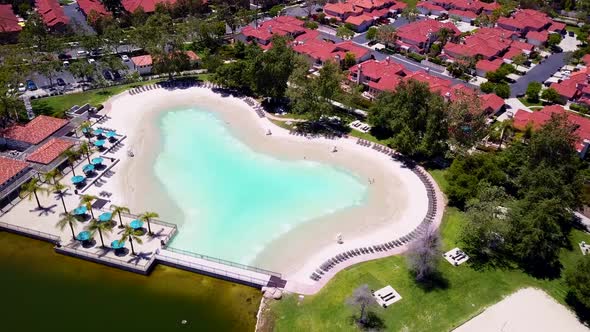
106	216
80	210
136	224
78	179
98	132
83	236
97	161
117	244
88	168
99	143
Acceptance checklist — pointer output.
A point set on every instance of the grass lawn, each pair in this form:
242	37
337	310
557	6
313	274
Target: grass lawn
366	136
463	293
57	105
46	291
411	3
527	103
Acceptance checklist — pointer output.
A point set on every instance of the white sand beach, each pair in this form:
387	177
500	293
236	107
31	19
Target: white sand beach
396	203
528	309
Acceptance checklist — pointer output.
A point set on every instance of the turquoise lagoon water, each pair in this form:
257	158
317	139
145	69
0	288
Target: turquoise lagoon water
235	199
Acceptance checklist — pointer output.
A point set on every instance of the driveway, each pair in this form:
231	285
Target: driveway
78	20
540	73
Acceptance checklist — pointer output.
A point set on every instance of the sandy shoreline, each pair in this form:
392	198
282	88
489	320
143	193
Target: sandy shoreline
395	205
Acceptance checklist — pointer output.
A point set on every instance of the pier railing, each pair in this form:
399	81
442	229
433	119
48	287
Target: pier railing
117	262
24	230
225	262
213	271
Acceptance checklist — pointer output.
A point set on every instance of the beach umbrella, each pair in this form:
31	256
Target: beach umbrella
110	134
99	143
106	216
80	210
88	168
83	236
117	244
97	161
78	179
136	224
98	131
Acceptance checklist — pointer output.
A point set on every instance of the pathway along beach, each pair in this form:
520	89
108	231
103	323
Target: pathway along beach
396	203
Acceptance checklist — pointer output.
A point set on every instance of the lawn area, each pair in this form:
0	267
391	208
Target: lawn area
57	105
47	291
464	291
527	103
411	3
366	136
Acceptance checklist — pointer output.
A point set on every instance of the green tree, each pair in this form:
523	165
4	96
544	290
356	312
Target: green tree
467	122
519	59
86	200
362	299
386	34
67	219
147	216
371	34
578	280
233	75
82	69
554	39
413	117
551	95
118	210
100	227
86	149
532	92
349	60
51	176
272	69
410	13
71	156
275	10
31	189
132	235
60	191
502	90
49	67
344	32
487	87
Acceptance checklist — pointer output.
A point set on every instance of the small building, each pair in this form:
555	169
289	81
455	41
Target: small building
428	8
20	138
148	6
50	151
9	27
361	22
484	66
193	58
463	15
11	173
52	14
537	38
142	64
491	103
93	9
418	36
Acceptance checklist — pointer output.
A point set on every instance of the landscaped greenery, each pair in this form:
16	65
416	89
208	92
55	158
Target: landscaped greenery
465	293
528	103
44	290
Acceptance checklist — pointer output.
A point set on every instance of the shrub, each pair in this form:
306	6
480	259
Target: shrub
487	87
532	92
416	57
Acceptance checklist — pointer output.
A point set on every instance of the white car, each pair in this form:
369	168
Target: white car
124	57
22	87
66	64
91	61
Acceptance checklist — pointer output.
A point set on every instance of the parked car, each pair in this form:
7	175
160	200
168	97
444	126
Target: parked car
116	75
107	75
60	81
64	56
22	87
124	57
91	61
31	86
82	53
66	64
571	33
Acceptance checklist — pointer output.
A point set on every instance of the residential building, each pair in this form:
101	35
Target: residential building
525	20
474	6
142	64
341	11
418	36
9	25
491	103
536	119
537	38
487	43
361	22
93	9
21	137
482	67
463	15
11	171
318	51
148	6
428	8
52	14
576	88
280	26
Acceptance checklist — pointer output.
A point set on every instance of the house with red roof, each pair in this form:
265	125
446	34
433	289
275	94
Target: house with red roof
428	8
576	88
319	51
537	38
341	11
9	27
463	15
484	66
10	171
525	20
280	26
418	36
360	22
143	64
474	6
93	9
50	151
52	14
378	76
488	43
19	137
148	6
523	119
586	60
491	103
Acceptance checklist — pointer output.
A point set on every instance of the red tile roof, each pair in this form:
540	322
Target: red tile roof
491	102
9	168
142	60
192	56
282	26
569	88
8	20
419	31
488	42
586	59
49	151
343	8
556	27
149	6
322	50
487	65
526	19
359	20
538	35
89	6
538	118
51	13
462	13
35	131
430	7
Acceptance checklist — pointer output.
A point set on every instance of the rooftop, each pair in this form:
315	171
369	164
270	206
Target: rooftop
89	6
538	35
49	151
526	19
8	20
487	65
142	60
419	31
149	6
35	131
51	13
9	168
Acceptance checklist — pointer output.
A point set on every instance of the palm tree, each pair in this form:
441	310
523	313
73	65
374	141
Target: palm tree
146	217
33	187
118	209
87	201
131	234
85	128
96	225
60	190
51	176
86	149
67	219
72	156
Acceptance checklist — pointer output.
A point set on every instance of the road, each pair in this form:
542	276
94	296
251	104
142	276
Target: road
78	20
540	73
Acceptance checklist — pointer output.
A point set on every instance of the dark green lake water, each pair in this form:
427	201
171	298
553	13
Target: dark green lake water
45	291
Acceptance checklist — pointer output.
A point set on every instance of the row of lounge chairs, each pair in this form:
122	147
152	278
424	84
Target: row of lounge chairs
144	88
172	85
422	227
255	105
